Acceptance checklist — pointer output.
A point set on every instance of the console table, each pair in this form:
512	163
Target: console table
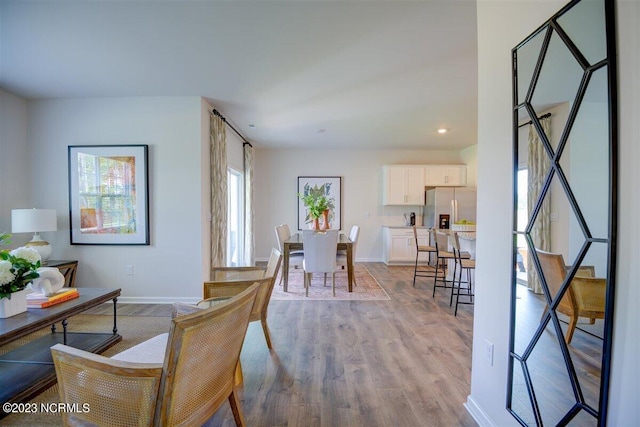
28	370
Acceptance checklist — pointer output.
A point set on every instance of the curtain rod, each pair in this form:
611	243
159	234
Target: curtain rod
244	140
544	116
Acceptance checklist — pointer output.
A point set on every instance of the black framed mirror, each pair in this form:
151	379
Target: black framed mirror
565	217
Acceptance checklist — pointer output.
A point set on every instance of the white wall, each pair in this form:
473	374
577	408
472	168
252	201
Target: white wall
361	171
171	268
491	311
15	169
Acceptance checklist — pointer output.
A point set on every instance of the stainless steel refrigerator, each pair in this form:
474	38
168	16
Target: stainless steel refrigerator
448	205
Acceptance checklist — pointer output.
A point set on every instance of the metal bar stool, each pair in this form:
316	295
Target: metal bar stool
464	264
442	257
420	249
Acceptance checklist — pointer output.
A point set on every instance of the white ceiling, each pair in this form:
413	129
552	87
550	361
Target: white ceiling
371	74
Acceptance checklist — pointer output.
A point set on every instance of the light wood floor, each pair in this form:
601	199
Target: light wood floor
404	362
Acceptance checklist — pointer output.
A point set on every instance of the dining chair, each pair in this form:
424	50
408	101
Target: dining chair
424	271
341	258
463	264
585	296
283	233
320	248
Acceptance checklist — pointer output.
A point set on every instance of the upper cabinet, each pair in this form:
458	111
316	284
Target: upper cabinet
403	185
445	175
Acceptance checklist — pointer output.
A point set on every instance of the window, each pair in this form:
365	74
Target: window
235	216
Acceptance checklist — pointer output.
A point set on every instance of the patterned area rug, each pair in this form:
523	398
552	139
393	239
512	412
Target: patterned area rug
366	287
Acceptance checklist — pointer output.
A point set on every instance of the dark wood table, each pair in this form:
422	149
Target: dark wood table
294	243
28	370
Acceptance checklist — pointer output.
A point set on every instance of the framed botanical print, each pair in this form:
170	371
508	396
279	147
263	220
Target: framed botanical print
109	194
328	186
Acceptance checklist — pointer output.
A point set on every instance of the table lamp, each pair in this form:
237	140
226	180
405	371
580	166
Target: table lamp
35	221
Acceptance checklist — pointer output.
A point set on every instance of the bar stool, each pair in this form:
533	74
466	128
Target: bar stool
442	257
463	264
428	270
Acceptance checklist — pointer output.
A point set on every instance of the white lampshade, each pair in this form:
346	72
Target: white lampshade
33	220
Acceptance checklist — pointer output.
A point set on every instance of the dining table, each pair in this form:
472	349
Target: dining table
294	243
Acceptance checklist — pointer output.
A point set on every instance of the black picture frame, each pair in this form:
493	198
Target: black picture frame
109	194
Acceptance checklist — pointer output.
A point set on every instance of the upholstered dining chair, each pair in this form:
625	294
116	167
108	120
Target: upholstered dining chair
229	281
320	248
463	264
341	258
422	270
585	297
283	233
161	390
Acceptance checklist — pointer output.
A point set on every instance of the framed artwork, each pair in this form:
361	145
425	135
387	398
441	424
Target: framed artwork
109	194
329	186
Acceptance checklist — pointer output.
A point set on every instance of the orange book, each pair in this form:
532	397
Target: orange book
57	299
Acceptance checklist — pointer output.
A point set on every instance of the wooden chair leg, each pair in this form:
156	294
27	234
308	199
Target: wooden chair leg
239	378
571	329
236	408
333	283
265	329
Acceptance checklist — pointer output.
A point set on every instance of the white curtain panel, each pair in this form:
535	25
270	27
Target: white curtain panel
249	212
218	159
538	167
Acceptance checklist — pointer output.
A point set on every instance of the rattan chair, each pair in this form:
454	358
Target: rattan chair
181	391
423	271
229	281
585	297
463	264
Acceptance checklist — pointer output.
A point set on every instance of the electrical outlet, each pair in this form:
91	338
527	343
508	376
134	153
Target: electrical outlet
488	351
130	270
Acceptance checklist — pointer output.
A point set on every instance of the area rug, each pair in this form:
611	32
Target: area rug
366	287
134	330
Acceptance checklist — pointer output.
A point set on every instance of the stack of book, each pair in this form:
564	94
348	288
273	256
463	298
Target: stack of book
36	300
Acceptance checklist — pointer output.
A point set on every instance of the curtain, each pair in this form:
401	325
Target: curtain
218	159
538	167
249	213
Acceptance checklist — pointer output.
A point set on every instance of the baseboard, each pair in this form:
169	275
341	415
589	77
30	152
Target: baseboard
477	413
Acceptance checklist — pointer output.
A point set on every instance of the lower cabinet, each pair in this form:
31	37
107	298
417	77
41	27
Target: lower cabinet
399	244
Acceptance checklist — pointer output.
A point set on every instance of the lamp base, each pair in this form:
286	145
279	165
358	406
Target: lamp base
42	246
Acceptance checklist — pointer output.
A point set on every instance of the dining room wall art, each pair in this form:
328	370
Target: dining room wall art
328	186
109	194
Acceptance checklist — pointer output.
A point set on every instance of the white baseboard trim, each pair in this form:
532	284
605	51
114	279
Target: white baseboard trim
477	413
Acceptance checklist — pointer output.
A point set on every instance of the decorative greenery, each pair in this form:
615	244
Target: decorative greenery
316	201
18	268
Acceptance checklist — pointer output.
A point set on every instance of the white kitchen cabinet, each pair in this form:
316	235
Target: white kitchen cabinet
446	175
399	245
403	185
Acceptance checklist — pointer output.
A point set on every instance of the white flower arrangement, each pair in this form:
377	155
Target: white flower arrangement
18	268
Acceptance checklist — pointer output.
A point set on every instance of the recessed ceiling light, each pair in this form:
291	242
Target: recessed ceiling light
443	130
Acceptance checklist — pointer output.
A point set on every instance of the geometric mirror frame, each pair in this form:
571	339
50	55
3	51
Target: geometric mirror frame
565	138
